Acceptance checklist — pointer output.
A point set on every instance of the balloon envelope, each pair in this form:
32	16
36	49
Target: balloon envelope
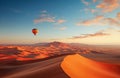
34	31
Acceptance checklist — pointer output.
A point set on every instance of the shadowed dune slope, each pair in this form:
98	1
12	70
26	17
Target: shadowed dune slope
77	66
43	69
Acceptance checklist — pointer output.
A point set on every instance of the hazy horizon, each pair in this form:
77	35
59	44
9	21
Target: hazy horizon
60	42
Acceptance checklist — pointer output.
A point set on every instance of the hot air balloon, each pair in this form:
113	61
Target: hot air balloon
34	31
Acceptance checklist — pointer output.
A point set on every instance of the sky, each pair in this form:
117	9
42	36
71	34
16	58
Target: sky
69	21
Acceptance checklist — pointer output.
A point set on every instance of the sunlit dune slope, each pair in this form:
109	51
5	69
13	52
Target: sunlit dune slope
77	66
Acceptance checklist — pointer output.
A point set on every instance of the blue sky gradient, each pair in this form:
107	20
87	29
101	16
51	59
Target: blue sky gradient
17	19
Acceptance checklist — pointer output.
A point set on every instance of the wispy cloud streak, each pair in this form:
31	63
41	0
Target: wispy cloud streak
90	35
108	5
45	17
101	21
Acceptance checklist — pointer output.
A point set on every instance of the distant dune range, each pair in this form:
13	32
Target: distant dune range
44	60
34	52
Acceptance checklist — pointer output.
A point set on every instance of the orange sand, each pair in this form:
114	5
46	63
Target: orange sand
77	66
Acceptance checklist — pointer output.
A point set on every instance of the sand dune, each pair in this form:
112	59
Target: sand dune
34	52
43	69
77	66
33	61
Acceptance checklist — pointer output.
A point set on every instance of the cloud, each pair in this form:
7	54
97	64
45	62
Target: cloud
60	21
90	10
112	21
94	0
93	10
108	5
90	35
44	11
95	21
102	6
45	17
85	2
118	15
101	21
62	28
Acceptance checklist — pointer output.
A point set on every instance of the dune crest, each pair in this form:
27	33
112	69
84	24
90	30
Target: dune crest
77	66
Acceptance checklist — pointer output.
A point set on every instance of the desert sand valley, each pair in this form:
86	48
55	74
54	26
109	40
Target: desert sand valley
37	60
